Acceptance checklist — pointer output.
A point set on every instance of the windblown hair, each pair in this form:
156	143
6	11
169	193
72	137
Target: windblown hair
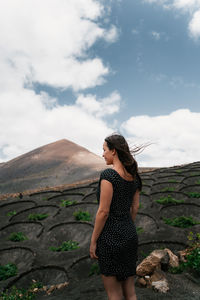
125	155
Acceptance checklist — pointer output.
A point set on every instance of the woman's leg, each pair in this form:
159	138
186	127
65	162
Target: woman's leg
113	287
128	287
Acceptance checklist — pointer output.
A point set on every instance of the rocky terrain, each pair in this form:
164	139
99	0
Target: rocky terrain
35	261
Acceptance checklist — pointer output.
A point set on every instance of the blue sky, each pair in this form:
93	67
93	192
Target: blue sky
81	70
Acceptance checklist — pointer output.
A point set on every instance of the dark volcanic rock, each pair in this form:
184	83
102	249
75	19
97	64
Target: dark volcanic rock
35	260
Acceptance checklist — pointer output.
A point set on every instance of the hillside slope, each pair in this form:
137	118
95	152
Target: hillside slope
58	163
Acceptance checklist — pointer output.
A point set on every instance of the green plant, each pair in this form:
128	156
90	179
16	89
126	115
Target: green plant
36	284
144	254
193	259
67	203
178	171
82	215
45	198
194	239
66	246
194	195
140	205
11	213
17	294
195	174
182	222
143	193
94	269
177	270
17	237
192	255
198	182
168	189
139	230
169	199
7	271
36	217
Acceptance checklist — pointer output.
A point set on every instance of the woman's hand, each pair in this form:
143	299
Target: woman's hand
93	247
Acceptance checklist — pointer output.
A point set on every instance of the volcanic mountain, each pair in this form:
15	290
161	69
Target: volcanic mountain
61	162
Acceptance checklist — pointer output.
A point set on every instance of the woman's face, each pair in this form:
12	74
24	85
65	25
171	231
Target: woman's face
108	154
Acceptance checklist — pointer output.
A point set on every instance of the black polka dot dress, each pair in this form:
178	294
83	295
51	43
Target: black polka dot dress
118	241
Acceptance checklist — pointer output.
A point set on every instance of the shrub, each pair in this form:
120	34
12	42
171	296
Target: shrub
67	203
36	217
94	269
7	271
167	189
139	230
143	193
11	213
173	181
66	246
169	199
82	215
192	256
17	294
194	195
178	171
17	237
193	259
182	222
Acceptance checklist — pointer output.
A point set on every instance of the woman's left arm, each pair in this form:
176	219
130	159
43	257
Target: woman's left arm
102	214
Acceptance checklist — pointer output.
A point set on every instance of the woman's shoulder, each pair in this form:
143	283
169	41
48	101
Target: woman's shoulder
107	174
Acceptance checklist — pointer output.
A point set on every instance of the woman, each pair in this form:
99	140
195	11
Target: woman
114	239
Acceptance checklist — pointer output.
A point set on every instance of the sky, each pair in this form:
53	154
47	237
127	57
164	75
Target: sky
83	69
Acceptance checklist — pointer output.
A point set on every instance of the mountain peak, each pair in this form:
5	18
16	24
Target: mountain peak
60	162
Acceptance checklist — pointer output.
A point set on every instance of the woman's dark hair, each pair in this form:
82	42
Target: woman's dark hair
125	155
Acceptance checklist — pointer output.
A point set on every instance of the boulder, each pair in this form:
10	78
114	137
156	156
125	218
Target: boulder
173	259
148	265
161	286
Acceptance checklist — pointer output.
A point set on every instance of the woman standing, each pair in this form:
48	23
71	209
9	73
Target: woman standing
114	240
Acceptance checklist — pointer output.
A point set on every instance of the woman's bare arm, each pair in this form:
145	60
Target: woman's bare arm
103	210
135	205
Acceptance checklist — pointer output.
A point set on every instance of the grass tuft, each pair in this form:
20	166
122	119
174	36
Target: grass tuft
17	237
67	203
7	271
37	217
182	222
11	213
94	270
194	195
169	199
82	215
66	246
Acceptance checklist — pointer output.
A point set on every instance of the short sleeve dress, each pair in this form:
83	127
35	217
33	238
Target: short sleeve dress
118	242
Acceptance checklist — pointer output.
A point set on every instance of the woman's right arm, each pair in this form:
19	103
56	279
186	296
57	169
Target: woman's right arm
135	205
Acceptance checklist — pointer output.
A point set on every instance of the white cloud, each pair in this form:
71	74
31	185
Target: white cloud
28	123
111	35
48	42
192	7
194	25
107	106
174	137
155	35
